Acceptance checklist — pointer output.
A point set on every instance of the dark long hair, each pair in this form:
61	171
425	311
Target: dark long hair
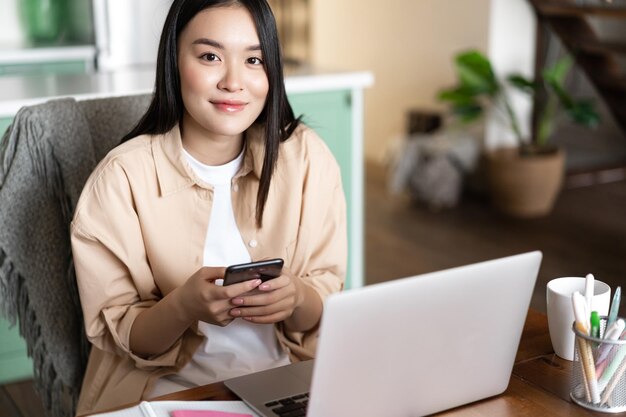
166	108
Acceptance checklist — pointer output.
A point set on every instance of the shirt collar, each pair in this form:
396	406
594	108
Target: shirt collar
254	153
175	174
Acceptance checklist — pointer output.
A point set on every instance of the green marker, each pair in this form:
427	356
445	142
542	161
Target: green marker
595	324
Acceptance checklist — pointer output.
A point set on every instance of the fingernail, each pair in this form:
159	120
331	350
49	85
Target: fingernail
238	301
235	312
247	318
256	282
264	287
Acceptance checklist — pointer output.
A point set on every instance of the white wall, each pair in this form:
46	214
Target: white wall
123	39
408	45
11	33
512	30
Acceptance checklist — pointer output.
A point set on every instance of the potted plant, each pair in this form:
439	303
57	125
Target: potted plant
524	180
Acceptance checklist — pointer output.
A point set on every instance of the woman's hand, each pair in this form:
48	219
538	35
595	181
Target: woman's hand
157	328
285	298
200	299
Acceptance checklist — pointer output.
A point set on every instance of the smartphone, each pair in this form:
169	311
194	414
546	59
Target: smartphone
265	270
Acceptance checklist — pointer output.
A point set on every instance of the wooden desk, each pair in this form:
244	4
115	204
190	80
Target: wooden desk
539	385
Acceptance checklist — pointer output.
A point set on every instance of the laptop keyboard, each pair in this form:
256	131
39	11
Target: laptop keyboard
294	406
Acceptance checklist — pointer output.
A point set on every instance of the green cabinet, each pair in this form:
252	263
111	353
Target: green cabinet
44	68
14	363
4	124
329	113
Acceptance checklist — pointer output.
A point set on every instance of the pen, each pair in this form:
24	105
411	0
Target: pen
614	306
611	369
586	355
603	365
146	409
612	333
585	383
589	284
589	370
614	381
580	312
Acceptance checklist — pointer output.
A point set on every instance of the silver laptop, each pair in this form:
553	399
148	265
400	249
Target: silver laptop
407	347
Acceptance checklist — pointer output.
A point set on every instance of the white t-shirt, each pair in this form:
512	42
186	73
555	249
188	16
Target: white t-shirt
241	347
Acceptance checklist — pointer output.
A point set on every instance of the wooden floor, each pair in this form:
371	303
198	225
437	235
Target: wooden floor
585	233
20	400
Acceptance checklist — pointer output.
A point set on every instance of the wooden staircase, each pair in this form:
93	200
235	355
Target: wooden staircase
598	58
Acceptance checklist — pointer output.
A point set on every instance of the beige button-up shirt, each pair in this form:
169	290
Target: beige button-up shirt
139	232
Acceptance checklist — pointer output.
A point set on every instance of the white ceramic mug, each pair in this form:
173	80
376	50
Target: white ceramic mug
561	313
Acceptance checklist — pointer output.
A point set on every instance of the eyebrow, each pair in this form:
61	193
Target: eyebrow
216	44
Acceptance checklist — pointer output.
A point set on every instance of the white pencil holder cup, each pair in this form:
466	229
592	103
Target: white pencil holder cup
599	372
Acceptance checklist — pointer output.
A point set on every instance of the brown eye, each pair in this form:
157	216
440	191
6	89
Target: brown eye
255	61
210	57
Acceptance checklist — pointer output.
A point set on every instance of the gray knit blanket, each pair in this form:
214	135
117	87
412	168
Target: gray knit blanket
46	156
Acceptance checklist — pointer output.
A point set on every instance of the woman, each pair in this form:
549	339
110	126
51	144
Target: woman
217	172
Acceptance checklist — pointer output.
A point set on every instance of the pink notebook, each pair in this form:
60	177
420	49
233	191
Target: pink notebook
206	413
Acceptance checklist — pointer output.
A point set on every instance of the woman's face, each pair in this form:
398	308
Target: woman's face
223	81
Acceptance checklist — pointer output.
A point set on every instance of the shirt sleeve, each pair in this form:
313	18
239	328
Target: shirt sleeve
321	253
114	278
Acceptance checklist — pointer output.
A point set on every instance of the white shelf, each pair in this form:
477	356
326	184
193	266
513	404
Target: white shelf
21	55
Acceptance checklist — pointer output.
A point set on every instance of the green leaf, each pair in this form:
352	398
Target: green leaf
522	83
475	73
467	112
555	75
564	98
458	95
583	112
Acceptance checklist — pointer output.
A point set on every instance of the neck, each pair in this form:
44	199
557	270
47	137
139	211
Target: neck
208	148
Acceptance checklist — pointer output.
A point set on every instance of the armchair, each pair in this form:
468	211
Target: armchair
46	156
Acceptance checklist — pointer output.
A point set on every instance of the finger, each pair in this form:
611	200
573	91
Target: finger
259	298
222	318
212	272
219	310
235	290
275	283
224	322
271	319
264	310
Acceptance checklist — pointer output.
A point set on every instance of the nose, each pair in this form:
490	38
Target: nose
231	79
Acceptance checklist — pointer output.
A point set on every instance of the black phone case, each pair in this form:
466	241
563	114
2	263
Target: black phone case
266	270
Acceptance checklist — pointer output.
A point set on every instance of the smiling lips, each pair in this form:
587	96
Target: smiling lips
229	106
